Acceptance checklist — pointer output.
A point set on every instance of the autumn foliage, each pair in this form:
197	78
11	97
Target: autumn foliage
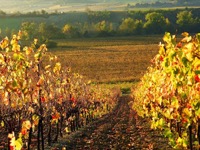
169	92
35	89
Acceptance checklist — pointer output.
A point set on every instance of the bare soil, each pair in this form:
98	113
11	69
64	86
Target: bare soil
122	129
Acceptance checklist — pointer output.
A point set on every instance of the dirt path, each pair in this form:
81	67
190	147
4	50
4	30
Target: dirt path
120	130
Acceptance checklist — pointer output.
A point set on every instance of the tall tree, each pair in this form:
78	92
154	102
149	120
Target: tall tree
130	26
104	28
156	23
29	30
186	22
48	31
70	31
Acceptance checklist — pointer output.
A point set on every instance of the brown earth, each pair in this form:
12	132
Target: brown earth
122	129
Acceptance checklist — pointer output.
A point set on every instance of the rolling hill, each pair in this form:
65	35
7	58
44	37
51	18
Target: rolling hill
13	6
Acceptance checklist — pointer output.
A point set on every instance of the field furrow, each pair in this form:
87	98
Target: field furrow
122	129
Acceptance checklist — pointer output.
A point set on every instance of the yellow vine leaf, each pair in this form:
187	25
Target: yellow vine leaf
57	67
185	34
18	144
2	123
4	43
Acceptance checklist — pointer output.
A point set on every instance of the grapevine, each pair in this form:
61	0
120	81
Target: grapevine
169	92
36	91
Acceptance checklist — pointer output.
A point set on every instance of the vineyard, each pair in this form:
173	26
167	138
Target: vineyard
45	105
168	93
43	100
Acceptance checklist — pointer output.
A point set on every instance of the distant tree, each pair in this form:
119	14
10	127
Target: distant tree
29	30
130	26
185	18
2	13
104	28
43	12
128	5
42	31
17	13
5	32
140	15
155	23
49	31
97	16
33	13
67	28
169	27
86	29
186	22
70	31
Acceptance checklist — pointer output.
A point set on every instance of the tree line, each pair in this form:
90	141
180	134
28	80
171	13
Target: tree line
165	4
105	23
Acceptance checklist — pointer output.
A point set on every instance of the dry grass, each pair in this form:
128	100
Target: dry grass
108	60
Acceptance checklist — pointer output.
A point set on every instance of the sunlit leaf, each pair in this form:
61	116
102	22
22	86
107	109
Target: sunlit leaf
57	68
167	37
185	34
2	123
18	144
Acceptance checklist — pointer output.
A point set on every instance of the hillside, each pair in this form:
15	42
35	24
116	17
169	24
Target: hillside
12	6
59	5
